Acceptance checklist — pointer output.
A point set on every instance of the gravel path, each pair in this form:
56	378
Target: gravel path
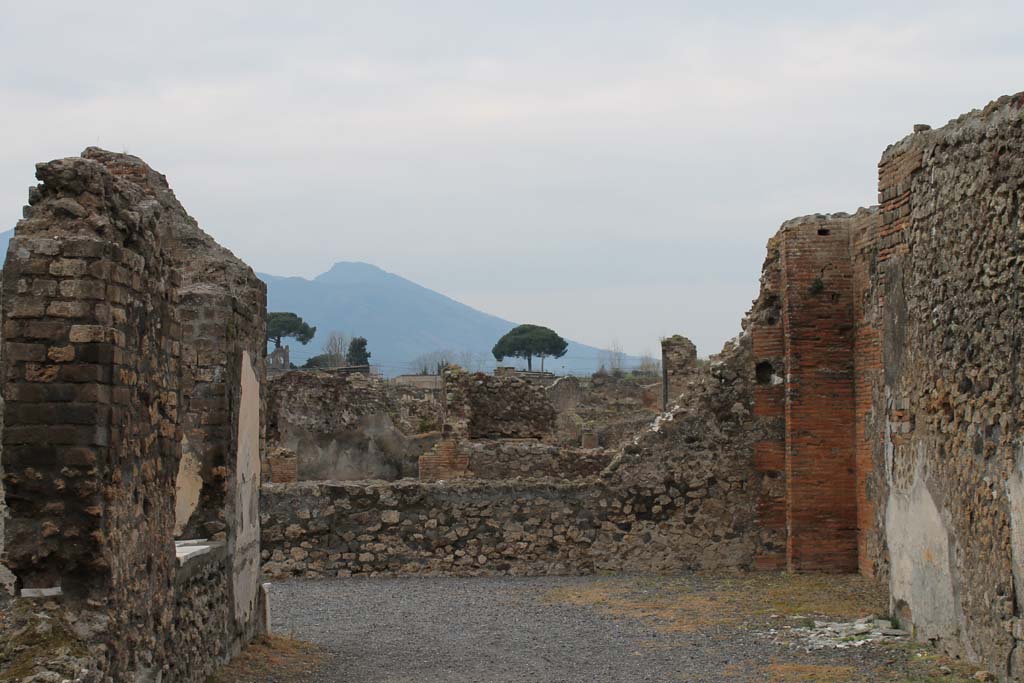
503	630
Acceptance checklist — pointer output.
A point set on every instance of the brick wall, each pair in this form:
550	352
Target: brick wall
92	349
817	314
768	355
804	334
92	352
444	461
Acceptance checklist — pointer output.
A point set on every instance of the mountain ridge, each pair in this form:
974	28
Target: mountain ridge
400	318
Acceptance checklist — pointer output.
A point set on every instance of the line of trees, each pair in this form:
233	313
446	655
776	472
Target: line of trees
337	351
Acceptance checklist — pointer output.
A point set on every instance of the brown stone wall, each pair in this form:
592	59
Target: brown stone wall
480	406
529	459
943	311
92	353
342	426
678	360
682	495
93	359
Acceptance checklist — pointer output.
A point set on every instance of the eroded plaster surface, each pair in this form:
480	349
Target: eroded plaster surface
921	576
246	503
187	487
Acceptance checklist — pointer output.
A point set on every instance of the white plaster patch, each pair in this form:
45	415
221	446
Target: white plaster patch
246	503
187	487
920	572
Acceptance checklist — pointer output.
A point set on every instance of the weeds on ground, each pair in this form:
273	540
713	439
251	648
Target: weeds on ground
689	603
272	658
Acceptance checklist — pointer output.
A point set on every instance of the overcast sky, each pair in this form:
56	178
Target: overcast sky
609	169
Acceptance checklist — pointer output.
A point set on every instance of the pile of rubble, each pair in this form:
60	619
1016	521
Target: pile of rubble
824	635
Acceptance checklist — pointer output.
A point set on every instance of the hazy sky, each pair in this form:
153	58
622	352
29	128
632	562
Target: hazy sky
610	169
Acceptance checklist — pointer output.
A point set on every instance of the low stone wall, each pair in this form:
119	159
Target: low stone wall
682	495
472	527
508	459
202	615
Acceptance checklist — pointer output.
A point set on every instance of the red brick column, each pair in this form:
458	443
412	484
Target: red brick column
817	309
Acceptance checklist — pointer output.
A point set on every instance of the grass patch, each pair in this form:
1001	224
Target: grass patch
811	673
690	603
272	658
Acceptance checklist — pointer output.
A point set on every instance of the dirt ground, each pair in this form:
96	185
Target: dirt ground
686	627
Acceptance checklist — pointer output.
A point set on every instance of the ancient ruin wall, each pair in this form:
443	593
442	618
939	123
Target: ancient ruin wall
480	406
92	351
340	427
528	459
678	361
945	307
682	496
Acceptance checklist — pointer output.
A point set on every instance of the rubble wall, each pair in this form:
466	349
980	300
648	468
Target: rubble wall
678	360
511	458
683	495
340	427
942	410
480	406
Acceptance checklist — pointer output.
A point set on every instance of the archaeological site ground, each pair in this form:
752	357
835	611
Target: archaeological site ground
838	495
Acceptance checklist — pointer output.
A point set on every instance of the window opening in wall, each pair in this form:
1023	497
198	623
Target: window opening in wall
824	231
763	372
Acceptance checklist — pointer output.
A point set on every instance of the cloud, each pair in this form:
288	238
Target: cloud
514	155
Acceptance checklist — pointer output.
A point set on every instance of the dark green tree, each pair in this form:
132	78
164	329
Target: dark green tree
527	341
281	325
357	353
322	360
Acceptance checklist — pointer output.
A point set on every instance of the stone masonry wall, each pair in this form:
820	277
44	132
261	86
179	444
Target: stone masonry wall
92	351
488	406
340	427
511	458
942	411
678	360
683	495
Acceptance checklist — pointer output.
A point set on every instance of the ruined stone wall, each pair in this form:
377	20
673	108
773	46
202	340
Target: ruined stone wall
475	527
943	313
414	410
682	496
611	409
92	350
508	459
487	406
804	354
678	360
340	427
